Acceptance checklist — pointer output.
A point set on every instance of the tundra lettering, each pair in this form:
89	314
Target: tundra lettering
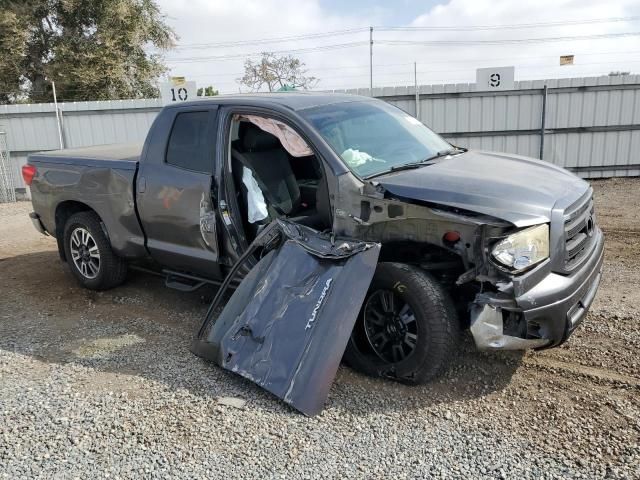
318	305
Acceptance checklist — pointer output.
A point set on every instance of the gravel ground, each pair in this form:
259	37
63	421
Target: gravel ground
104	385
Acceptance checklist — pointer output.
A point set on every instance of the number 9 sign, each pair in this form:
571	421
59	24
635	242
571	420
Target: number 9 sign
496	78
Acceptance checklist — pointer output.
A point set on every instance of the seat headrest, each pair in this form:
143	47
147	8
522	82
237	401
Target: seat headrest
256	139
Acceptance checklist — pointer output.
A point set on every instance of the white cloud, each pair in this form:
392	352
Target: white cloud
209	21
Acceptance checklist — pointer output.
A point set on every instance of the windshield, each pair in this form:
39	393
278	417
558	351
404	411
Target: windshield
374	137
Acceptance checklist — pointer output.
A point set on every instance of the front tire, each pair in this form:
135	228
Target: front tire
407	329
89	254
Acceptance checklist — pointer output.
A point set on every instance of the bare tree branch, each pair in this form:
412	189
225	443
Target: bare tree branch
272	72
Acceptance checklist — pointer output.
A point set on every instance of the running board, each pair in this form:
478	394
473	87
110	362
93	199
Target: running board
182	282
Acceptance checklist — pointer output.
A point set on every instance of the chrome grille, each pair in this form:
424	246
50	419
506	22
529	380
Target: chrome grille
579	229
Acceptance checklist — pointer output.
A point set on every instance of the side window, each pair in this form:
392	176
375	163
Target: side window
189	145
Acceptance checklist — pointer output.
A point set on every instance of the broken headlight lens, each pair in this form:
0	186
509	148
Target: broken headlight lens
523	249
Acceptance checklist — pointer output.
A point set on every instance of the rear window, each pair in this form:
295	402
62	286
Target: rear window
188	143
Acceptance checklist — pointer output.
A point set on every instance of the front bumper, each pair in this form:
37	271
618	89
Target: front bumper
551	310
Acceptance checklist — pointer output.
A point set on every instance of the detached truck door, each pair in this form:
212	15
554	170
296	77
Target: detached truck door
174	190
287	324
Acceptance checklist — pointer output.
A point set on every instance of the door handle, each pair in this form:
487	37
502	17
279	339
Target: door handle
142	185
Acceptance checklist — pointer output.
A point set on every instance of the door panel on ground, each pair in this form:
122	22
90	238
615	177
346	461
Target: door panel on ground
287	325
176	204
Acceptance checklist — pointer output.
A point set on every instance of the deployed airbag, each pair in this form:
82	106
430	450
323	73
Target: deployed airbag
287	325
256	206
293	143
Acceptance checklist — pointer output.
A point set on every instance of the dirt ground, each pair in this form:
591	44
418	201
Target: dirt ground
579	403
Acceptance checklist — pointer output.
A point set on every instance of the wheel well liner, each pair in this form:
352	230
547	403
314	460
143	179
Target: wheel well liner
412	252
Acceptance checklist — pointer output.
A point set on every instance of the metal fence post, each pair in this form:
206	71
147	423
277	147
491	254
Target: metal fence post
543	120
55	104
415	85
7	183
371	61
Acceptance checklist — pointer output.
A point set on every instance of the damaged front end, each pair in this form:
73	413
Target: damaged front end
484	293
539	309
530	300
287	324
489	332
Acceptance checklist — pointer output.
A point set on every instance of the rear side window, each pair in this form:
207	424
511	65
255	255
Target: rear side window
189	145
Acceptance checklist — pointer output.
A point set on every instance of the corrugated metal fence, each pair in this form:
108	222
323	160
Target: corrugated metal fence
591	125
32	127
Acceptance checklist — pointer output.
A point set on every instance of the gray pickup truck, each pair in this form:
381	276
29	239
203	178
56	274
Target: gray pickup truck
346	227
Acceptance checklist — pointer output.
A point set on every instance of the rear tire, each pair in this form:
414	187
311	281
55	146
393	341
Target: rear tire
89	254
414	339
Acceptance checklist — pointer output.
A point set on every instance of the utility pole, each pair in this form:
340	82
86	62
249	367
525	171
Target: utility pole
55	104
415	83
371	61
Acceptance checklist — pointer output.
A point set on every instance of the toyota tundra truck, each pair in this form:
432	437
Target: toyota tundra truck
345	227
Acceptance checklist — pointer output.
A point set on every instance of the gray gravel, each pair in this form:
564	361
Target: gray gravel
104	385
81	418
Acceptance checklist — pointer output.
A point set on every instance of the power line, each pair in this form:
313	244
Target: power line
511	41
350	31
309	36
466	28
320	48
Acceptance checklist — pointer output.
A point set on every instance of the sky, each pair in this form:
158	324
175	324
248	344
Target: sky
341	28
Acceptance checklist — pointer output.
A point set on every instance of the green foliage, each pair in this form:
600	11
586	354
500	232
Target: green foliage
208	91
13	36
92	49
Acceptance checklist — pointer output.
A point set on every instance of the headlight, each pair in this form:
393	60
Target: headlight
523	249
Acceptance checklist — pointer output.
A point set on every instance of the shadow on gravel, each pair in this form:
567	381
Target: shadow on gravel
145	329
472	375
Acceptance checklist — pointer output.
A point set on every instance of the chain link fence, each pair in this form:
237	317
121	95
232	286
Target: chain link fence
7	183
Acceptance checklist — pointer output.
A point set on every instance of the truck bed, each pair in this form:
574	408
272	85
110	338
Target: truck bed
123	156
99	178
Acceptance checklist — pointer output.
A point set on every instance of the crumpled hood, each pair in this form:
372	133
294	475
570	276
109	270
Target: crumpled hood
518	189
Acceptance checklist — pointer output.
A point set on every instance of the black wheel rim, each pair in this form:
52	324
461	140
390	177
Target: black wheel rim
390	326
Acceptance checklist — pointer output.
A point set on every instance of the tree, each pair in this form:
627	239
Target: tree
274	72
92	49
207	91
13	36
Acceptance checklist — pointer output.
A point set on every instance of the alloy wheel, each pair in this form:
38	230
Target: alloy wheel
84	252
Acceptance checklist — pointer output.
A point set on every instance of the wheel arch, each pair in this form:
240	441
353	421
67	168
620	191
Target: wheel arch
63	212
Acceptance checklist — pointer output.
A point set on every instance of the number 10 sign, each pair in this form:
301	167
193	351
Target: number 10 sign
177	90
